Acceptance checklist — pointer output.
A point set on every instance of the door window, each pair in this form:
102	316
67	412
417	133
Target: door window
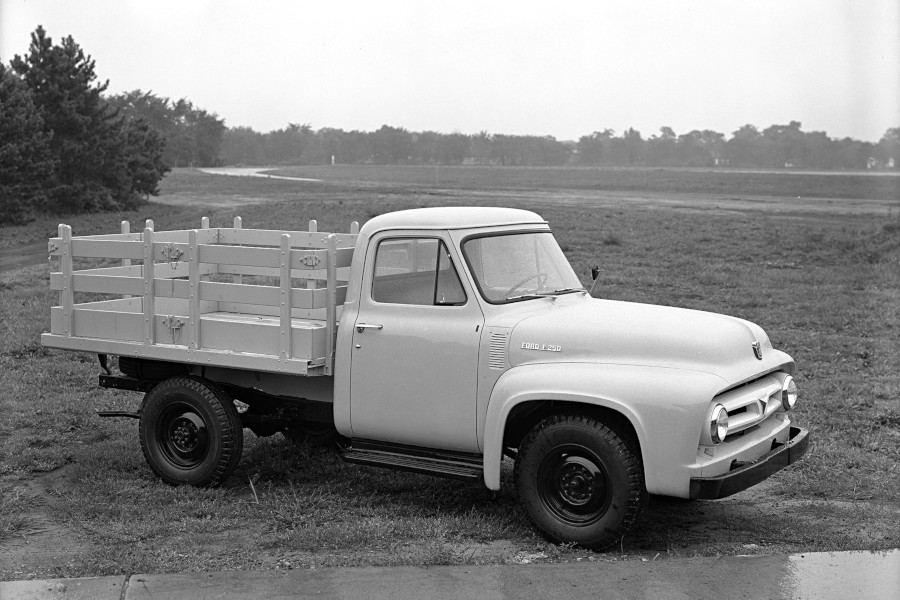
416	271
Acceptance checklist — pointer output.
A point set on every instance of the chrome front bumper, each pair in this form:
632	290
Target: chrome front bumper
740	477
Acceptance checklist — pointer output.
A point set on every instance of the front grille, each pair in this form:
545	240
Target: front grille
751	403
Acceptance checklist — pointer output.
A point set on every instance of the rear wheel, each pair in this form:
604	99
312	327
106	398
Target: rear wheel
190	432
579	482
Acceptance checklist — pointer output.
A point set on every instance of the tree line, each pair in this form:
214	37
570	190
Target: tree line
66	146
777	146
63	147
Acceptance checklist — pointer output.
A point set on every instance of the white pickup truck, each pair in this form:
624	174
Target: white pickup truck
434	340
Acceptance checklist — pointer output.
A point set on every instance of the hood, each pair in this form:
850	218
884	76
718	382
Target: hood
611	332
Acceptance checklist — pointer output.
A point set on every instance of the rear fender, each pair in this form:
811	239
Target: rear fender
665	406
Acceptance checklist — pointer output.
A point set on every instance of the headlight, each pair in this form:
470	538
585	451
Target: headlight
718	424
788	393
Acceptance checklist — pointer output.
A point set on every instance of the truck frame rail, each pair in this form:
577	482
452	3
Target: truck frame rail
265	300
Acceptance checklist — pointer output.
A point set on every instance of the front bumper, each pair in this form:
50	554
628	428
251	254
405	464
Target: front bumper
744	476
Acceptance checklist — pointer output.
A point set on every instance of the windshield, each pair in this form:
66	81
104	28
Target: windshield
519	266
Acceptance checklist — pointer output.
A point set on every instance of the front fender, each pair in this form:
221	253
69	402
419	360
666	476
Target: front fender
665	406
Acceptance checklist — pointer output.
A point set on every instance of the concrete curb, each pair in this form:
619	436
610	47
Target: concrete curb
837	575
88	588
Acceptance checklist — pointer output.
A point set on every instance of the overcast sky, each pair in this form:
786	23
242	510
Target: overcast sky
545	68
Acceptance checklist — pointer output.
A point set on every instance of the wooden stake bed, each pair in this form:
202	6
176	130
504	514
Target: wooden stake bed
264	300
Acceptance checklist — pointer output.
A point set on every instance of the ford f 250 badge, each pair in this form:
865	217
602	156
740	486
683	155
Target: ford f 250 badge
544	347
757	350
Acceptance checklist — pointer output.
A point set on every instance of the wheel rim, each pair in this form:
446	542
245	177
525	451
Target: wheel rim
183	436
573	484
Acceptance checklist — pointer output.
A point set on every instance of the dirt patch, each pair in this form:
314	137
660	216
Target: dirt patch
23	256
44	544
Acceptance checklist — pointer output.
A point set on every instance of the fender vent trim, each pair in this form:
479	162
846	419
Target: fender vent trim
497	358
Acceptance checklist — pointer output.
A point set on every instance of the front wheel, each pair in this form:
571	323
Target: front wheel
190	432
579	482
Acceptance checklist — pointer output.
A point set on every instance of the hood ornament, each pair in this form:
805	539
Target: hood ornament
757	350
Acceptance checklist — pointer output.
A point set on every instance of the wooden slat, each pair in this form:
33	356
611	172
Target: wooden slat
171	288
101	284
238	255
123	271
272	237
106	249
284	297
322	274
125	229
66	295
331	285
194	294
237	277
147	291
245	294
106	284
135	271
124	236
311	283
238	270
119	305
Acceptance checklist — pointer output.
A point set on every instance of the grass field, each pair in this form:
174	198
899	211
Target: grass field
822	277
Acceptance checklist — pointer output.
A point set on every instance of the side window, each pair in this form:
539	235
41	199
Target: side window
416	271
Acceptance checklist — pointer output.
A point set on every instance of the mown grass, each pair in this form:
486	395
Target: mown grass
734	183
827	290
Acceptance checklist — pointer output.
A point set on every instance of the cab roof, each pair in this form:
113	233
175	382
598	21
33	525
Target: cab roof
451	217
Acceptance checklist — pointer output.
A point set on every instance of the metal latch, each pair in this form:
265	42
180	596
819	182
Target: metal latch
310	260
174	323
172	254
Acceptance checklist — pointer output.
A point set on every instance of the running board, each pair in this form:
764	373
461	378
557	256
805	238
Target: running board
443	463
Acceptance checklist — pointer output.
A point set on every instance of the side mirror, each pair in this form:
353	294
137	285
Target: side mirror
595	277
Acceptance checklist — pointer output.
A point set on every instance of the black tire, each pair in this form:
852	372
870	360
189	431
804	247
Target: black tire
579	482
190	432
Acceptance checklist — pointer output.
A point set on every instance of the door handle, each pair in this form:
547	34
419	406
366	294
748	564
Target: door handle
362	326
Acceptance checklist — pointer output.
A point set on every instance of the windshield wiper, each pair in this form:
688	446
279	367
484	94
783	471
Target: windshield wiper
558	292
525	297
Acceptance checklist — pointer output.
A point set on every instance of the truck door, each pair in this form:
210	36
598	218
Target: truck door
414	361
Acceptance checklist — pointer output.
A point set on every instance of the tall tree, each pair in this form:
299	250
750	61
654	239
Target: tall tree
661	148
595	149
25	158
391	145
889	148
243	146
744	147
91	142
286	146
